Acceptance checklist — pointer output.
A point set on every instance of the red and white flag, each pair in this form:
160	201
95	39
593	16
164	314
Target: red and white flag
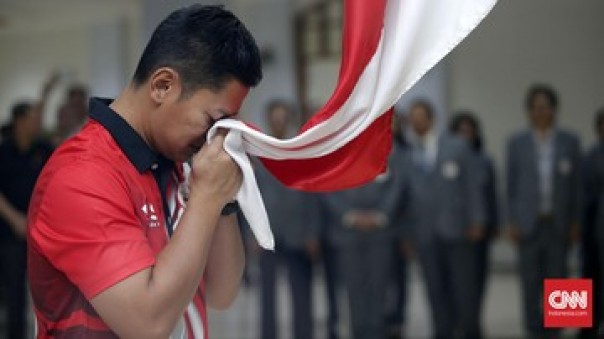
388	45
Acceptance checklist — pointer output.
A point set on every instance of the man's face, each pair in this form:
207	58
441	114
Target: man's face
29	126
466	131
601	131
541	113
279	121
179	125
420	119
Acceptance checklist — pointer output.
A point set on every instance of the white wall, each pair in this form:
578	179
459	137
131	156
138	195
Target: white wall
87	42
27	59
558	42
431	87
271	24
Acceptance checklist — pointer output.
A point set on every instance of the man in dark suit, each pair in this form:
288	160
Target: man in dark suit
23	153
362	229
446	215
294	218
593	225
543	193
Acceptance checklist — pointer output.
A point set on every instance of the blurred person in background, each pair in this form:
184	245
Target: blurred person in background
5	131
447	220
465	124
362	231
328	257
331	276
294	218
397	291
543	168
22	155
72	114
593	225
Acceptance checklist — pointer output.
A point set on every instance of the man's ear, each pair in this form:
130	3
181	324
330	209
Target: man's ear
164	85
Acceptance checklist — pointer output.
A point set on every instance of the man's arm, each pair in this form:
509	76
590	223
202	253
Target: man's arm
575	228
47	88
148	303
16	219
225	264
511	188
474	178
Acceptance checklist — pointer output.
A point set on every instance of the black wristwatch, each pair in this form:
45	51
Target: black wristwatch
230	208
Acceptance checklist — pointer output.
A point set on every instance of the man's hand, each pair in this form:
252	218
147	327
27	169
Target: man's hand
50	84
313	248
514	233
407	250
575	233
19	225
365	220
476	232
214	174
16	220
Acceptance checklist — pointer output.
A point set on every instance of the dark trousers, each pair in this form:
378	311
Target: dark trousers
592	267
451	283
542	255
397	292
299	273
365	267
598	285
13	263
328	256
483	263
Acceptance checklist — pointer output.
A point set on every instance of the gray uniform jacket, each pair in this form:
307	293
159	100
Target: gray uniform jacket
593	192
523	184
384	194
446	199
294	215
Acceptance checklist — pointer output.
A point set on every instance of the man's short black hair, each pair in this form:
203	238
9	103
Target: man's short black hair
541	89
77	90
20	110
206	45
467	116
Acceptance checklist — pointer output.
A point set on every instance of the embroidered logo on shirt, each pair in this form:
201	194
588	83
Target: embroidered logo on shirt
149	211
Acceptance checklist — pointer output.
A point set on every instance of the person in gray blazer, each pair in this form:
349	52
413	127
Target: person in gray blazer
466	125
294	218
592	235
396	306
447	216
362	232
543	168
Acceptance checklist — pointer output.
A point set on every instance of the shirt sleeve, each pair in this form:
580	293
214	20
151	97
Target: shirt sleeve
87	228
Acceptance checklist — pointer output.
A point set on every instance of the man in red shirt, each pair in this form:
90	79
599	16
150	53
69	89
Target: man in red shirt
105	256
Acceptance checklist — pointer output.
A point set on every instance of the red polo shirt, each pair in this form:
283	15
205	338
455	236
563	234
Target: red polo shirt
96	217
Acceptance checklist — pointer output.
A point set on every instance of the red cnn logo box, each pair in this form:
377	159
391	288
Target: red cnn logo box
567	303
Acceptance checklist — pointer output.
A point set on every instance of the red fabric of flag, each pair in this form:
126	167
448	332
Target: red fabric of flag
363	158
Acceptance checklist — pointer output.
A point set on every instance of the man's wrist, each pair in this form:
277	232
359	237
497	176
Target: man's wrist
230	208
205	202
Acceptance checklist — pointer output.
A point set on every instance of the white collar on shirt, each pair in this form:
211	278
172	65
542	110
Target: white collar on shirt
430	143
